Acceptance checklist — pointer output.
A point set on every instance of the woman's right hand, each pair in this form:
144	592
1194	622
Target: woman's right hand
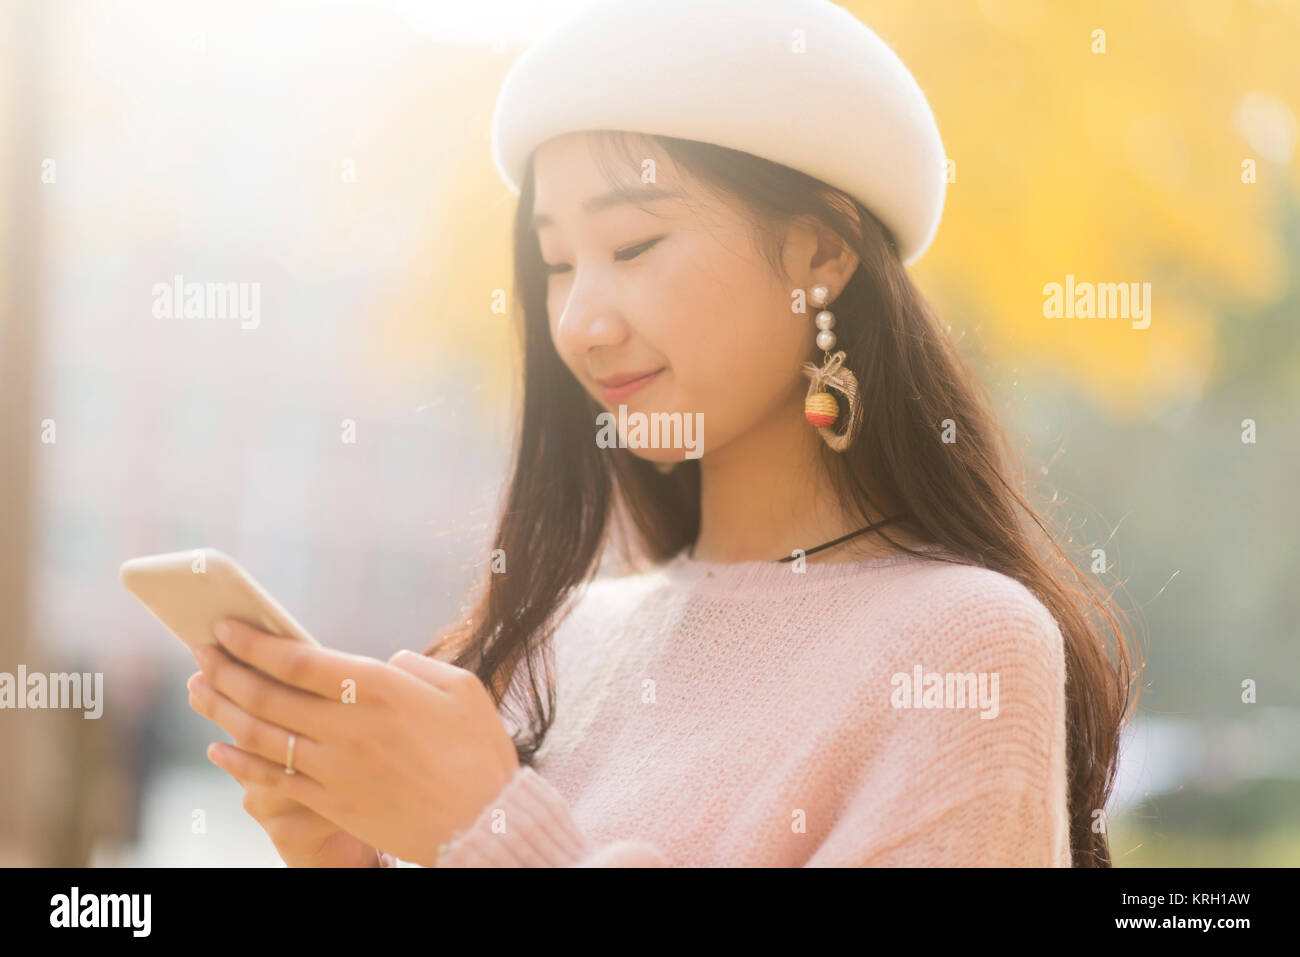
301	836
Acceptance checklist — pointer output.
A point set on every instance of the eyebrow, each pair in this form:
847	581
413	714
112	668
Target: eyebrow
636	195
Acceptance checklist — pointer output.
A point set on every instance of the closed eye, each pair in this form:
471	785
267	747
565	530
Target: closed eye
623	255
631	252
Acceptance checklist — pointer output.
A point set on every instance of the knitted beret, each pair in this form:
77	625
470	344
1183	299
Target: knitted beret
799	82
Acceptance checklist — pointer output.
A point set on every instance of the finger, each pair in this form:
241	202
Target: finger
258	771
266	698
264	802
321	671
254	735
267	804
441	674
240	781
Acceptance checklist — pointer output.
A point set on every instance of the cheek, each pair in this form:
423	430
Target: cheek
739	349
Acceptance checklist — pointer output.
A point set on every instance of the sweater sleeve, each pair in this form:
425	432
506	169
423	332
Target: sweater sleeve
950	788
530	825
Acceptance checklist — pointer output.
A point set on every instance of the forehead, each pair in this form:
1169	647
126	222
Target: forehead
576	175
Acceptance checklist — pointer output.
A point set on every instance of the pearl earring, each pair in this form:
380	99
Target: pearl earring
820	407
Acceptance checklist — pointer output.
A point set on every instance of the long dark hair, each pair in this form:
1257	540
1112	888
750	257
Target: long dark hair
565	491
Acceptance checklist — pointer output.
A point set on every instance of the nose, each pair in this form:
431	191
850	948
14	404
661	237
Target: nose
589	319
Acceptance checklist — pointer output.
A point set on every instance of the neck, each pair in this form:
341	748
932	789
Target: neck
768	492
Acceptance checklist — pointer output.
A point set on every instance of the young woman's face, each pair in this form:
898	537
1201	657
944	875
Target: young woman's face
673	286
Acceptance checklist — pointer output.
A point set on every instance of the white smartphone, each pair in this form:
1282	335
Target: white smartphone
191	591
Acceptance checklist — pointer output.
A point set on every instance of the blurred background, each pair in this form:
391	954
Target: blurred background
336	154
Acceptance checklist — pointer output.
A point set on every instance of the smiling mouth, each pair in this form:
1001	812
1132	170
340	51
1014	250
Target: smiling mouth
616	393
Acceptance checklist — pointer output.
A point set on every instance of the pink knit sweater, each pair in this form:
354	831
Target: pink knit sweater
748	714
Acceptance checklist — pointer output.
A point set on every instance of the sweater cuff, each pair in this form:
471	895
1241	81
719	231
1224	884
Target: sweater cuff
527	825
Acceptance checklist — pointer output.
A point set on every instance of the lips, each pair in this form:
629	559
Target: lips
618	387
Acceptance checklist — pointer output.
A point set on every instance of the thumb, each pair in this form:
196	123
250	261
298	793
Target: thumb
427	669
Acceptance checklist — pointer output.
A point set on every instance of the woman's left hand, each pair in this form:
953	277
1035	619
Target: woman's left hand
403	754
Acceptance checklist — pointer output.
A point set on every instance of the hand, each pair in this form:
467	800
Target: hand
302	837
404	755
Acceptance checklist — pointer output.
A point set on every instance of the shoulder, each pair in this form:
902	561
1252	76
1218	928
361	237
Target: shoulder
973	627
976	595
967	612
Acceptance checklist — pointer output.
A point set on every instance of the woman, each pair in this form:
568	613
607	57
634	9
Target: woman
839	635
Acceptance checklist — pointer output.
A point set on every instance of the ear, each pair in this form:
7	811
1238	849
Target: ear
815	253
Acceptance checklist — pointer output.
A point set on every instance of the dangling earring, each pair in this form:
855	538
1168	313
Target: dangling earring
820	407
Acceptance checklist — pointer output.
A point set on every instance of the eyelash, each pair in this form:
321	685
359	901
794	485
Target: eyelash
552	269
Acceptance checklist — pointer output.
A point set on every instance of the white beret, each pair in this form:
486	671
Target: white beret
799	82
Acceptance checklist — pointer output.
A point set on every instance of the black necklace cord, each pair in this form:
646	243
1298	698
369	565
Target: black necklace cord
845	538
833	542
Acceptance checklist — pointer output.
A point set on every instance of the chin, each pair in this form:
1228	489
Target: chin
658	457
662	438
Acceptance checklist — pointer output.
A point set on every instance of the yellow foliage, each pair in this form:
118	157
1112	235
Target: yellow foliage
1115	166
